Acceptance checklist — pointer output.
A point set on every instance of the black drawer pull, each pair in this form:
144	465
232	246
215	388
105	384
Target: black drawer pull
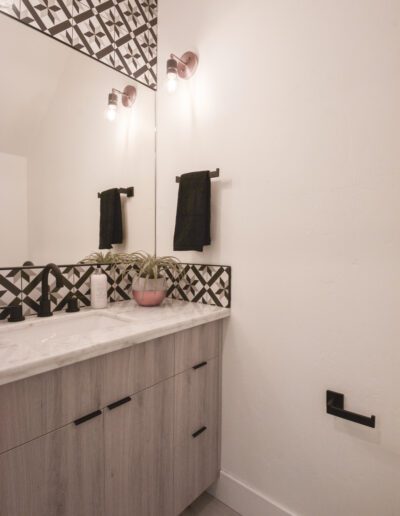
86	418
202	364
335	407
119	403
200	431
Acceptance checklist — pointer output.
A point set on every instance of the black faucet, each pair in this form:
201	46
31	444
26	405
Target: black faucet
44	306
14	313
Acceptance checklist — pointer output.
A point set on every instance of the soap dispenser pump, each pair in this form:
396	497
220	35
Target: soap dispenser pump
98	289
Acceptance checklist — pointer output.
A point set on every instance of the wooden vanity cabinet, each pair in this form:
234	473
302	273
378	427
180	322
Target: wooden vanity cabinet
58	474
149	446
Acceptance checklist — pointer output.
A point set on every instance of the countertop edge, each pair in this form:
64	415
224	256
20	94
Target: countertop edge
102	348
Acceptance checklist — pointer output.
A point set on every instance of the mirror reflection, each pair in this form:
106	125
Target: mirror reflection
59	150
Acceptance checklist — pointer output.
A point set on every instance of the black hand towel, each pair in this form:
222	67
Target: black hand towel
110	218
192	227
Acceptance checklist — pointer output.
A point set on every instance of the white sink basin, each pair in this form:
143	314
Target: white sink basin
61	326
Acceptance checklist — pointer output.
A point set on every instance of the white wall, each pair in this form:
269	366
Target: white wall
298	103
13	210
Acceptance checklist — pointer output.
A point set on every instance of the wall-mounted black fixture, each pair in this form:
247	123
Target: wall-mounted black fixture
14	313
335	407
212	173
129	192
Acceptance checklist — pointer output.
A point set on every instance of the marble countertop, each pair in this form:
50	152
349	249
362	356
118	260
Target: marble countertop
26	349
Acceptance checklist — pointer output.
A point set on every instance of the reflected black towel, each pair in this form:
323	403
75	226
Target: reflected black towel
192	227
110	218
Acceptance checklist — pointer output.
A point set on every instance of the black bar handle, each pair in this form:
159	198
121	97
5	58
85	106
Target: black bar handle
335	407
202	364
86	418
129	192
199	431
118	403
211	173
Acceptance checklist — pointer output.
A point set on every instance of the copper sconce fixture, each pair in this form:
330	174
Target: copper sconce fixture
128	97
183	67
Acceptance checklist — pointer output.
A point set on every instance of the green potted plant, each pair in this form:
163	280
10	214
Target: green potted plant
149	286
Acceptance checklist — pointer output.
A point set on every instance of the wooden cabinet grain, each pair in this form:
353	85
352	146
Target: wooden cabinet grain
139	454
58	474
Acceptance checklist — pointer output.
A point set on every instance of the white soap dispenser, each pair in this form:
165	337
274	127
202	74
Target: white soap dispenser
98	289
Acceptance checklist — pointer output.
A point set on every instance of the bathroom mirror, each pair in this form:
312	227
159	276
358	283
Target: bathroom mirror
58	150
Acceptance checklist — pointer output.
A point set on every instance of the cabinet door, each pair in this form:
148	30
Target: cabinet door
59	474
197	432
139	453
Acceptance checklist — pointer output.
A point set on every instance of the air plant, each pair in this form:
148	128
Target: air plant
148	265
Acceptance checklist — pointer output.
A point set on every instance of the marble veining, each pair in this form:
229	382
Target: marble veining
24	354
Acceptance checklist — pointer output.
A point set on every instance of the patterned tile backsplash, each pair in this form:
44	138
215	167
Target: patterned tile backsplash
208	284
119	33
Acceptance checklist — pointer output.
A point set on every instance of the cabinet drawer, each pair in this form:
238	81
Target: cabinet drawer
197	432
197	344
133	369
37	405
58	474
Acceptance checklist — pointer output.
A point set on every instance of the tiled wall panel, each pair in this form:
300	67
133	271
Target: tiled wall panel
208	284
119	33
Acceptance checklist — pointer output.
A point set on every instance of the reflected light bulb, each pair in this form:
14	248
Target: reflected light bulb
111	112
172	82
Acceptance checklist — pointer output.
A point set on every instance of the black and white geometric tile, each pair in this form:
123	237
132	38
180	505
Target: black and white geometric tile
207	284
123	280
10	7
10	289
119	33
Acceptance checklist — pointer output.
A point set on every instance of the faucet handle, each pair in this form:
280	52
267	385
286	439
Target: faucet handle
14	313
72	305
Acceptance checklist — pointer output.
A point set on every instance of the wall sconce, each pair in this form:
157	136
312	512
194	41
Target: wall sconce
183	67
128	97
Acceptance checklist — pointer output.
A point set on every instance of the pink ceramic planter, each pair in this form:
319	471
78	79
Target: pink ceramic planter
149	297
149	292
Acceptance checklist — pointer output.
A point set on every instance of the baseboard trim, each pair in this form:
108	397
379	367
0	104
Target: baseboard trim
244	499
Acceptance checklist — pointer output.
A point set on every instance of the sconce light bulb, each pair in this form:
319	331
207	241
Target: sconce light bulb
172	82
111	112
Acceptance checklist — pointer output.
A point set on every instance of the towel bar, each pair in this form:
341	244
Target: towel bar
130	191
213	173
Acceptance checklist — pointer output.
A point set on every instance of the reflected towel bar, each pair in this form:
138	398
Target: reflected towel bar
130	192
213	173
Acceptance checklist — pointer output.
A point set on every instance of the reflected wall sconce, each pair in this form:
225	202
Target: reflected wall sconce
183	67
128	97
